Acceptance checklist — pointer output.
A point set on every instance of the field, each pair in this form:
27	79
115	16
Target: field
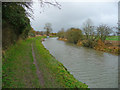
113	38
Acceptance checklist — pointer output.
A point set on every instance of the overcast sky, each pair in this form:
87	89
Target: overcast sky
73	14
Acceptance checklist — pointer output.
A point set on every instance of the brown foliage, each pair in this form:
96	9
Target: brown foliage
107	48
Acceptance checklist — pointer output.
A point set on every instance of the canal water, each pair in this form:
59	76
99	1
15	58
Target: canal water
95	68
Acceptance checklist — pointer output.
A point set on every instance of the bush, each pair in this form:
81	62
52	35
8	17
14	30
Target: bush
61	34
73	35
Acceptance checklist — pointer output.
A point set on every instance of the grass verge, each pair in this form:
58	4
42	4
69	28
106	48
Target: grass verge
113	38
20	72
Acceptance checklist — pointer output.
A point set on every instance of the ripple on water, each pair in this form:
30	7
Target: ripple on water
95	68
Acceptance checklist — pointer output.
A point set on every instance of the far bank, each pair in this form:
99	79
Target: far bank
106	46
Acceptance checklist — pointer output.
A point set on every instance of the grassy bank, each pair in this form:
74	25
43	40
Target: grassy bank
20	72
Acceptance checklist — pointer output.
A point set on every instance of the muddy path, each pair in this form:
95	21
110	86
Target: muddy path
39	73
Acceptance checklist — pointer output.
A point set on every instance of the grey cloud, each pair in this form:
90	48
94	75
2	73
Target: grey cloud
73	14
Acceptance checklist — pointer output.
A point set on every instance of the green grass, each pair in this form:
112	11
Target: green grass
113	38
18	68
53	36
20	72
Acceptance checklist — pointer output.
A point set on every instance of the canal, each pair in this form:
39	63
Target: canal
95	68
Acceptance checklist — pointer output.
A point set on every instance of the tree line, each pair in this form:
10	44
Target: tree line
16	22
89	34
47	32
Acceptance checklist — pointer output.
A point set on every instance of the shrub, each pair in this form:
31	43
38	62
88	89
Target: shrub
61	34
73	35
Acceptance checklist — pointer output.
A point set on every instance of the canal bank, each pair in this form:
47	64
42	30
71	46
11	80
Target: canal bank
100	46
19	68
97	69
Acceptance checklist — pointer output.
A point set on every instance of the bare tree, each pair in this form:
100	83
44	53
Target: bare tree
61	33
48	28
88	29
103	31
43	3
49	2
